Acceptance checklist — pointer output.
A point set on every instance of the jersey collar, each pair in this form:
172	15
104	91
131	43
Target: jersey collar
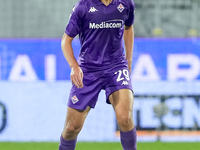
98	2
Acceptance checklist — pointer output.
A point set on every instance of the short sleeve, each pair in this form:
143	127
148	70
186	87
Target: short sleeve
131	13
74	24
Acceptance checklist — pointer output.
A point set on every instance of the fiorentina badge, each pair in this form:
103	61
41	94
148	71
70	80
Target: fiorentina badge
120	7
74	99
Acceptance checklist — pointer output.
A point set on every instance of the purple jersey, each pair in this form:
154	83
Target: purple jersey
100	29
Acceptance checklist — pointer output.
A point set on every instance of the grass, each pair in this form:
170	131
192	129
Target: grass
97	146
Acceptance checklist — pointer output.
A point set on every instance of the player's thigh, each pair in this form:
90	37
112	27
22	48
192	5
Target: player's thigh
75	119
122	102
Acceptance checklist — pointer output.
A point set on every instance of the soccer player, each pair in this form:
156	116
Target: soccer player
102	64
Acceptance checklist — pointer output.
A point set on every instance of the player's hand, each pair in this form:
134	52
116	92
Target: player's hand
77	76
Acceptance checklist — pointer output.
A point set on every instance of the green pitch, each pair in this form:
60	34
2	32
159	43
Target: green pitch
97	146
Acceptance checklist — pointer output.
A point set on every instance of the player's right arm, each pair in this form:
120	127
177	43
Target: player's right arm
76	72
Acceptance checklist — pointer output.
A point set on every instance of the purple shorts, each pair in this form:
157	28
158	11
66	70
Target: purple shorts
109	80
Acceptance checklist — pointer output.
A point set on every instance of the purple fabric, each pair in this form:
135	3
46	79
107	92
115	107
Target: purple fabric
100	29
109	80
129	139
67	145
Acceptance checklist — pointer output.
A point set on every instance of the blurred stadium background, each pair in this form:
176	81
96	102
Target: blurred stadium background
35	83
47	18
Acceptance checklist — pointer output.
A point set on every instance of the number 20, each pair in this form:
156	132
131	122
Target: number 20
125	73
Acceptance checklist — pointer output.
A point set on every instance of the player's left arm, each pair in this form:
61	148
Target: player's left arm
129	42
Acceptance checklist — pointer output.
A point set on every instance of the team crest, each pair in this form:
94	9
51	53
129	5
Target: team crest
120	7
74	99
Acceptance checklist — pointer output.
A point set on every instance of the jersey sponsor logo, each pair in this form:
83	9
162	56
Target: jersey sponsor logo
74	99
120	7
92	9
125	83
107	24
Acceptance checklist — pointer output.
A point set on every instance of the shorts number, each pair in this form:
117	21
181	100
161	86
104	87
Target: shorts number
125	74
